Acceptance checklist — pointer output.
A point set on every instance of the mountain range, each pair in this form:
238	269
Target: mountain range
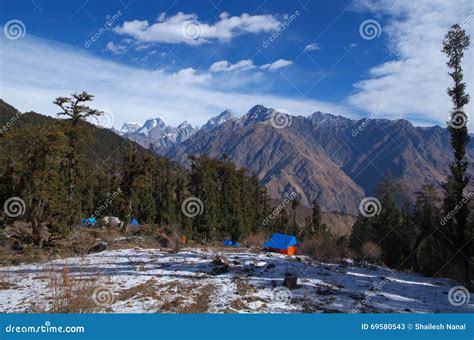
333	159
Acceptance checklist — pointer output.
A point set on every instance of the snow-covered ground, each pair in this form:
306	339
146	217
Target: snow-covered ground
150	280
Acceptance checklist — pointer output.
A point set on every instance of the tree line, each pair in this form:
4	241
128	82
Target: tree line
435	235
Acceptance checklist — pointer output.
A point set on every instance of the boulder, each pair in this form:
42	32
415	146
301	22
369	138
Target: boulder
98	247
290	281
220	266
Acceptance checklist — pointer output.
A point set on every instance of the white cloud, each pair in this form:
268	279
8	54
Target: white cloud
35	71
225	66
185	28
190	75
414	83
312	47
246	64
276	65
115	48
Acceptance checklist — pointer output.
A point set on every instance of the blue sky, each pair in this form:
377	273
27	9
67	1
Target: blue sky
192	59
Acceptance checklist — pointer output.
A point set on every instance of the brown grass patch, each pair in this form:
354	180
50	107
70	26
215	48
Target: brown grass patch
143	291
71	293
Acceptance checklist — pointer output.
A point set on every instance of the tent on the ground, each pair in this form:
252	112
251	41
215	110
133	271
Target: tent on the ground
133	221
230	243
89	222
282	243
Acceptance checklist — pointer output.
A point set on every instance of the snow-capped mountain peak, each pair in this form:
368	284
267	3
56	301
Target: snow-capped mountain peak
129	127
151	124
222	118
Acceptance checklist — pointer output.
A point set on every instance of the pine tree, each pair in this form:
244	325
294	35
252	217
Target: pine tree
75	108
454	44
294	205
426	218
37	164
316	226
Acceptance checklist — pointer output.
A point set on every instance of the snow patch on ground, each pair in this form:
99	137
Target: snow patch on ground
152	280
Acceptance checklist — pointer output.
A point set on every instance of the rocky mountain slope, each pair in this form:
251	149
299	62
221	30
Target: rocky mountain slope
333	159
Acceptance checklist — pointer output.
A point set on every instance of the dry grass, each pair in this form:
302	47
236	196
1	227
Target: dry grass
256	240
5	283
245	291
201	301
143	291
71	293
324	248
371	251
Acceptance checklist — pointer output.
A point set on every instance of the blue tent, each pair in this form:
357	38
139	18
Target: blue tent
230	243
89	221
282	243
133	221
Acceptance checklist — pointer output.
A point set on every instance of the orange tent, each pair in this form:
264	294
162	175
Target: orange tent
283	244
